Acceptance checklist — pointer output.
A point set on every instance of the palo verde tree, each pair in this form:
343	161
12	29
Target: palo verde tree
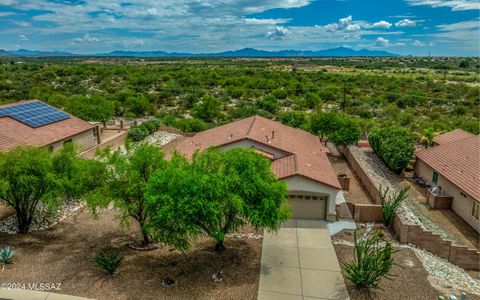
128	176
31	176
214	194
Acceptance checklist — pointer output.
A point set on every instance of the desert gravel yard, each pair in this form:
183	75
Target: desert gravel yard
62	254
411	280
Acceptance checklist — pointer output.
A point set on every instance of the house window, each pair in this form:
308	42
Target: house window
67	141
435	177
50	148
476	210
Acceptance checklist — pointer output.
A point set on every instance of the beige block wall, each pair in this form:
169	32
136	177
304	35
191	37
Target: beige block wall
460	205
304	185
83	140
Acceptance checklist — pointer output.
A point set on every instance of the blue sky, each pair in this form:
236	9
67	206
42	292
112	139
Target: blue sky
417	27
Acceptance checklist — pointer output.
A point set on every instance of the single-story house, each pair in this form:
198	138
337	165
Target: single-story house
452	167
35	123
298	158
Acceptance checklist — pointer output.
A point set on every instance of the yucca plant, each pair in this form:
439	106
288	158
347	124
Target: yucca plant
108	260
6	255
373	258
391	203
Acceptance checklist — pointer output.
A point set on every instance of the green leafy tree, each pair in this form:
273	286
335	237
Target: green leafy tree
32	176
125	185
347	133
324	124
208	109
215	194
297	119
27	178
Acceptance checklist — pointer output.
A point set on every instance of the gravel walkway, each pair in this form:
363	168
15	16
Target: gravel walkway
383	177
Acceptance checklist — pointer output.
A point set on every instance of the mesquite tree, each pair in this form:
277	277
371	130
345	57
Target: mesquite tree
215	194
124	186
31	176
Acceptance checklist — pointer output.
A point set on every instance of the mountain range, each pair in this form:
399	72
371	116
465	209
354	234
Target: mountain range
246	52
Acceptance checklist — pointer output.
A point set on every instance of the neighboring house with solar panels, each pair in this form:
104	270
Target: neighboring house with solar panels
35	123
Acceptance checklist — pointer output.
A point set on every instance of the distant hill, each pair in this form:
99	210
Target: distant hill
25	52
246	52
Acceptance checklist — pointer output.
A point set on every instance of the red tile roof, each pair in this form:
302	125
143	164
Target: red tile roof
14	133
458	162
305	155
452	136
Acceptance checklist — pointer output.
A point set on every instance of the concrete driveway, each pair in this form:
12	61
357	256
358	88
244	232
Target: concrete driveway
299	263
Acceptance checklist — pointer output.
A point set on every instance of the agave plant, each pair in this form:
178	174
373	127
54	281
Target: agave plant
6	255
108	260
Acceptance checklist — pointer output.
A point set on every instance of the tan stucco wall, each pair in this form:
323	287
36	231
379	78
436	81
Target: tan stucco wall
461	205
246	143
83	140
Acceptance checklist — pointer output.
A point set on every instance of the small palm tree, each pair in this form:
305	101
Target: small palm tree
427	137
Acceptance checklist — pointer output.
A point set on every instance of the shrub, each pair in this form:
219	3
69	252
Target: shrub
191	125
390	203
137	133
373	258
6	255
108	260
394	145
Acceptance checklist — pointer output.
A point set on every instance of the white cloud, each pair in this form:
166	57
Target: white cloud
279	33
418	43
21	23
465	25
381	42
6	14
454	4
86	39
23	37
381	24
406	23
343	24
255	21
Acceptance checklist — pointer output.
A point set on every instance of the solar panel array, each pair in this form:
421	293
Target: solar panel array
34	114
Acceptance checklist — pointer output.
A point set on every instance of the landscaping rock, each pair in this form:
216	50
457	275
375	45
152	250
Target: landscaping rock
161	138
43	218
380	175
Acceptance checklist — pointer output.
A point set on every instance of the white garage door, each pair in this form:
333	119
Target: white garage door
308	207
